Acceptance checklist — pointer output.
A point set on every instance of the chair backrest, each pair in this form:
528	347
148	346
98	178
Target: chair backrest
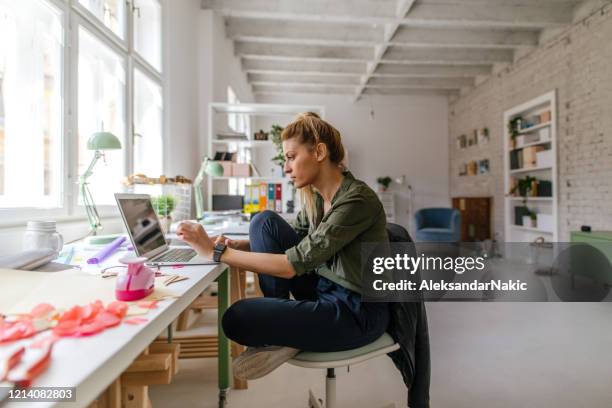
435	217
397	233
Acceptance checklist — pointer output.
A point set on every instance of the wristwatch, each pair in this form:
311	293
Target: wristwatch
219	249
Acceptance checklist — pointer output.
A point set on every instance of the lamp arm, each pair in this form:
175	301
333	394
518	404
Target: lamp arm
90	206
89	171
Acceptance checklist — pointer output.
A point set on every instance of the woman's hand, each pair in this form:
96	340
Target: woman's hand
195	235
240	244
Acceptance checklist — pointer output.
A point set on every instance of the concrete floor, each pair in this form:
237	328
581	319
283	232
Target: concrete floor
493	355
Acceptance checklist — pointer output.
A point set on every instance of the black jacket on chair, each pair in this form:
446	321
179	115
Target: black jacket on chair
408	327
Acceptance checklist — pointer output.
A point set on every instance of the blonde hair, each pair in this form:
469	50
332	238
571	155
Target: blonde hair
310	129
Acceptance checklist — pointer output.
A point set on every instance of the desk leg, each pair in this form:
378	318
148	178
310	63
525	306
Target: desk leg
237	292
224	345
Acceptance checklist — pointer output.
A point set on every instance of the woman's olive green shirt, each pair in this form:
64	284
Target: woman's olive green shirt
332	247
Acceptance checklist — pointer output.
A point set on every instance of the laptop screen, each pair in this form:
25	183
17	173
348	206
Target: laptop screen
142	223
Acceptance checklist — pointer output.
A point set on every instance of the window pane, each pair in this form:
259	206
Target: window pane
101	91
110	12
148	107
31	48
147	31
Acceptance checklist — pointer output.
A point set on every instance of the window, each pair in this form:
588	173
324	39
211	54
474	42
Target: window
101	95
148	110
115	85
147	31
112	13
31	49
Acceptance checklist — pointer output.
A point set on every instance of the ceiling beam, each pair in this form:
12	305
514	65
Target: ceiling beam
302	79
421	70
402	55
496	15
434	83
323	66
354	35
253	49
301	88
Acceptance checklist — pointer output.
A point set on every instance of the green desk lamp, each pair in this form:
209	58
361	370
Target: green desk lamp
99	142
212	168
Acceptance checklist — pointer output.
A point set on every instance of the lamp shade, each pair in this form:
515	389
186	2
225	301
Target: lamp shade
213	168
103	141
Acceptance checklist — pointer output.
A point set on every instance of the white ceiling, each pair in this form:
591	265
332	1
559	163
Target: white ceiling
357	47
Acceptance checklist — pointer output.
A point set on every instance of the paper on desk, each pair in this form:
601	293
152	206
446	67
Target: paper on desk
20	291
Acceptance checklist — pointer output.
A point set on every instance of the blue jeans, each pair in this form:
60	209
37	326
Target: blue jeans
322	317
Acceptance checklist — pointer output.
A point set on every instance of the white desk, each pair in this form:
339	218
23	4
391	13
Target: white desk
91	364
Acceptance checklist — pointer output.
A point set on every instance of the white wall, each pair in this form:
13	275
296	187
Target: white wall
408	135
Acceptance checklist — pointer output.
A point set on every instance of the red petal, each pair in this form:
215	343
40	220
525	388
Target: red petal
66	328
119	309
108	319
42	310
147	304
91	328
136	320
75	313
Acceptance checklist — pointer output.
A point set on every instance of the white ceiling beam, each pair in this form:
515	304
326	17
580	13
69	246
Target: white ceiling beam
451	37
301	88
404	55
497	15
301	33
300	78
251	49
409	91
323	66
435	83
421	70
269	30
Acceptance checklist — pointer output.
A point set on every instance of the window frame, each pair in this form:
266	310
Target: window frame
74	16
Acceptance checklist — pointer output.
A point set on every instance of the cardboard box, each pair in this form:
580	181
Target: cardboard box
227	168
545	117
544	134
241	170
544	158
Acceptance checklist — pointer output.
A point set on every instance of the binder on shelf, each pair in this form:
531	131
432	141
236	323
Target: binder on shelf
271	197
279	197
263	196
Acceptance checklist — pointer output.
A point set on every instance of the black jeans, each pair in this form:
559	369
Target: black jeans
324	315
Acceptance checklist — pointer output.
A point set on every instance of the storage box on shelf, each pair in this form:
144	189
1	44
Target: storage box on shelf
530	159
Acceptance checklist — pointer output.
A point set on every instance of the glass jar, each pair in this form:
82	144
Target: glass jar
42	234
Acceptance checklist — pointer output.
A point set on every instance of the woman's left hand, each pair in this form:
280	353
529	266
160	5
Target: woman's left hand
195	235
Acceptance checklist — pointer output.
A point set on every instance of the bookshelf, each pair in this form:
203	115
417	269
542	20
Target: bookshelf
530	151
257	154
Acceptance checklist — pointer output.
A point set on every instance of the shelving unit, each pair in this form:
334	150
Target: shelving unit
255	152
546	206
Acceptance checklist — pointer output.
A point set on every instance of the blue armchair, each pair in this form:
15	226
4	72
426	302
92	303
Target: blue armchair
438	225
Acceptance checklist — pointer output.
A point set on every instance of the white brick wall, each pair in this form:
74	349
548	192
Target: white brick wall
578	63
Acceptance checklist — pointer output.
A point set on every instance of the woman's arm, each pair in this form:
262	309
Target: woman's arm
268	264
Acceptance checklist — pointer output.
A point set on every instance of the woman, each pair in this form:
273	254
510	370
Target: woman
317	259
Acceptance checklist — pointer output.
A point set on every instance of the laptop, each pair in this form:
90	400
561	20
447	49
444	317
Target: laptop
147	237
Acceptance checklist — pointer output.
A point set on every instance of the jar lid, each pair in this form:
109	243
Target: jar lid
41	225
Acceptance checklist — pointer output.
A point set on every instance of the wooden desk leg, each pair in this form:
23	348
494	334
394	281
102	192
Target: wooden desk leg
236	293
224	348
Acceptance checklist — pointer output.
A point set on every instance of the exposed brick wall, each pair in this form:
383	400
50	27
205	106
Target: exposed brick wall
578	64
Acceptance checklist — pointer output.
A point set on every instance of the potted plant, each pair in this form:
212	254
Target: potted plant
163	206
383	183
524	187
514	127
278	143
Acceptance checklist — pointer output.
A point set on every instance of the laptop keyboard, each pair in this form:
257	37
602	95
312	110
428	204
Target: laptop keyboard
177	255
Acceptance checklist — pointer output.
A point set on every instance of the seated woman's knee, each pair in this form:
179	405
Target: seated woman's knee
260	219
235	321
